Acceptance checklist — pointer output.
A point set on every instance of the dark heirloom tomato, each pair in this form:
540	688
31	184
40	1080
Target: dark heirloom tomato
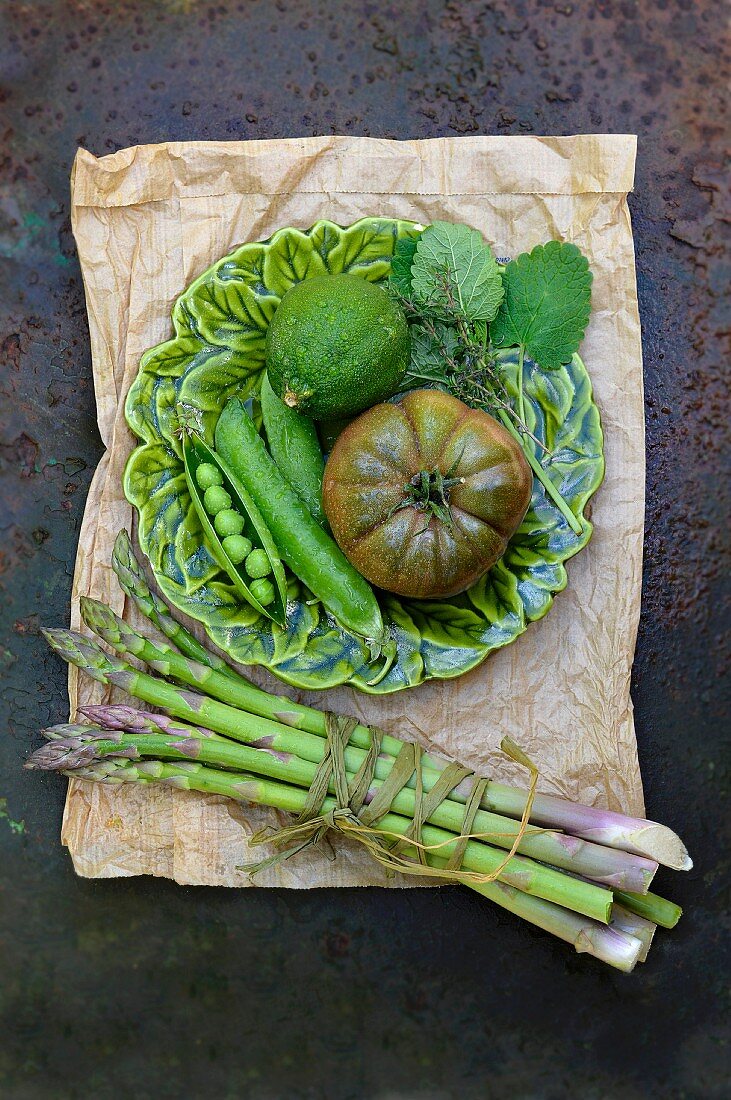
423	495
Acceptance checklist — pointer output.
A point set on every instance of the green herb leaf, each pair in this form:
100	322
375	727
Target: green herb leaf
433	355
403	257
460	255
546	305
432	349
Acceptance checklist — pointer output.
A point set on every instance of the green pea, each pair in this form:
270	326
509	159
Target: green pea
228	522
257	564
237	547
215	499
262	590
207	475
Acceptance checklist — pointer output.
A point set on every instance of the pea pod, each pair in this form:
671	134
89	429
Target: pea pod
195	453
308	551
294	446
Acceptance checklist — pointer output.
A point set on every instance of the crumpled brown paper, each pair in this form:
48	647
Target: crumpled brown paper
148	220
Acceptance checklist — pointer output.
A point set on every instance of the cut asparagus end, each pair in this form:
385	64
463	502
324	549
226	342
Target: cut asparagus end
651	907
606	827
617	948
662	845
613	946
625	921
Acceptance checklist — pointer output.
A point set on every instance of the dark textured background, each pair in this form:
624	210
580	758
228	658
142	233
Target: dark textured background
141	989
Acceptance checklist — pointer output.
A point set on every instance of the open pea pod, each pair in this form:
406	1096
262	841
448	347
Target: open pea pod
195	452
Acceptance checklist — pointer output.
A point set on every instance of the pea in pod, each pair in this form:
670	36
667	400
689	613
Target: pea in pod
308	550
294	446
197	453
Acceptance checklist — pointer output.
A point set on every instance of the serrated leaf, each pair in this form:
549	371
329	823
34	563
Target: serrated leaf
461	254
403	257
209	384
172	357
245	265
546	305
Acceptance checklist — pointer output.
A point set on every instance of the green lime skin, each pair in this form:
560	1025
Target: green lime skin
207	475
237	547
336	345
228	522
216	499
262	590
257	564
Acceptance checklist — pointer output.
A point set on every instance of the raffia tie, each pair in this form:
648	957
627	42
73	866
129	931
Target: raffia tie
352	816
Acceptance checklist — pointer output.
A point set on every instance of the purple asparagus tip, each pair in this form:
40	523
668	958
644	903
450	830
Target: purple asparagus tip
59	756
116	717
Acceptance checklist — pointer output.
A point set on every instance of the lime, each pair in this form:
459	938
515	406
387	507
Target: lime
336	345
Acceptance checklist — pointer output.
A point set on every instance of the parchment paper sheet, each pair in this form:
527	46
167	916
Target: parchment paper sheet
148	220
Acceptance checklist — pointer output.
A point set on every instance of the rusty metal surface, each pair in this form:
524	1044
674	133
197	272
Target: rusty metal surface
139	988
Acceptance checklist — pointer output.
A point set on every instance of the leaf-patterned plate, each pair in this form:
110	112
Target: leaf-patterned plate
220	323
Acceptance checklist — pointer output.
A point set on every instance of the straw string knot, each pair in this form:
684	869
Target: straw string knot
358	805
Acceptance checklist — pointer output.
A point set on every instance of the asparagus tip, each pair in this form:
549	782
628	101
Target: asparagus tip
63	730
80	651
122	550
58	756
116	717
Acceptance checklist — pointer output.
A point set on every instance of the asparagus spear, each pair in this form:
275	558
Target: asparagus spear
618	949
602	865
638	836
167	740
615	946
118	716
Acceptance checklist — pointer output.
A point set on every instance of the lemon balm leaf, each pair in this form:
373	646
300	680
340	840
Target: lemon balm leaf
454	271
546	306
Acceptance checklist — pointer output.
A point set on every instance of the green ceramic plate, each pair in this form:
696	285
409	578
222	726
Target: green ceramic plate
218	350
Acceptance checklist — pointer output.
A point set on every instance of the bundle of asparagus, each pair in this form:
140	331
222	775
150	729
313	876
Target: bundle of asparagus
578	872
